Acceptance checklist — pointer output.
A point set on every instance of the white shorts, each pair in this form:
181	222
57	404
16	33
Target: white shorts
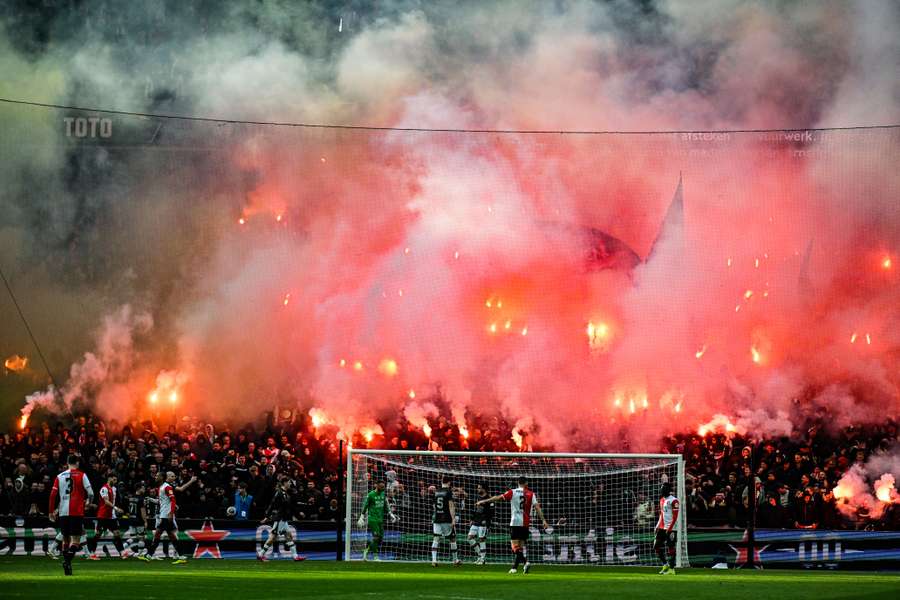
479	531
443	529
281	527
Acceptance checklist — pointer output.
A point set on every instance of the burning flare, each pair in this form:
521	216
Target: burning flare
517	438
757	357
16	363
720	424
318	417
388	367
597	334
885	490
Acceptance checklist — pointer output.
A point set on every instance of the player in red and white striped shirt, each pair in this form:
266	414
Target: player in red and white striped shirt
521	502
71	491
666	529
165	518
107	512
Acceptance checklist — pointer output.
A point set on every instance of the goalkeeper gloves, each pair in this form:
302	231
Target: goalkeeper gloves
362	521
393	517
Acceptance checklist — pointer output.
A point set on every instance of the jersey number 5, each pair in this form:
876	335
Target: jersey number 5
439	503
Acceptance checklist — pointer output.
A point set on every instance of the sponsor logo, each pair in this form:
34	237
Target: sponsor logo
88	127
207	538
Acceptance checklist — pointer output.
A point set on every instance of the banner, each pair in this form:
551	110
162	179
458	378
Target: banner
794	548
316	540
201	538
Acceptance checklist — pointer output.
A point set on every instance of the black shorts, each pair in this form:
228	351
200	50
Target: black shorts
166	524
519	533
108	525
71	526
664	538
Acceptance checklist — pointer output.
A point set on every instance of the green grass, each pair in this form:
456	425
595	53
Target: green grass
240	579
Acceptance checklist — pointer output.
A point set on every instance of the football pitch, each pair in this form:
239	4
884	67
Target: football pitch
43	578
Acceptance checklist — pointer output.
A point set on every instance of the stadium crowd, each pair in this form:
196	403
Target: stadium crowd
795	479
237	470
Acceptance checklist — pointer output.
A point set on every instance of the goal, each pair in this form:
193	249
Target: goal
602	508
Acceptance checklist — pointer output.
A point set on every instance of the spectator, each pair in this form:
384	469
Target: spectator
771	514
806	513
644	514
242	502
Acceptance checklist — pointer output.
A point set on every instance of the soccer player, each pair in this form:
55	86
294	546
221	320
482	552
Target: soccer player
73	490
165	519
482	516
148	512
106	517
375	508
521	502
666	535
443	520
279	512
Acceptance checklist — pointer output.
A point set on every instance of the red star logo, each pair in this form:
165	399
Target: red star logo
742	552
207	539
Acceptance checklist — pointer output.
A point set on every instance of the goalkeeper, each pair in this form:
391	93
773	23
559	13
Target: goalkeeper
376	508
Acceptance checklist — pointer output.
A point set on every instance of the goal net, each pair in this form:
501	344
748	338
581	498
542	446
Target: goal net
602	508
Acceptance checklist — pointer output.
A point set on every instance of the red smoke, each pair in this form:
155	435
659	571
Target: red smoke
347	269
416	261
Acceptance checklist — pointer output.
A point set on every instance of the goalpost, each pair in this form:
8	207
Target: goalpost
602	508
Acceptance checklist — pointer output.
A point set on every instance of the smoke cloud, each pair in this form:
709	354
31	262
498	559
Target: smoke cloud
869	488
593	291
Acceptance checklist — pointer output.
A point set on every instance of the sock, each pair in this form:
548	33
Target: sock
151	550
289	546
117	542
525	554
482	549
453	551
57	542
672	558
92	544
72	551
661	555
434	549
472	543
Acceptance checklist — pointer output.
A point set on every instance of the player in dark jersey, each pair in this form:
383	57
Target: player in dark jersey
135	525
444	520
482	516
148	516
279	513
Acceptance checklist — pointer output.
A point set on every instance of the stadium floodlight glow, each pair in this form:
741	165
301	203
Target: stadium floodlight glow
602	508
